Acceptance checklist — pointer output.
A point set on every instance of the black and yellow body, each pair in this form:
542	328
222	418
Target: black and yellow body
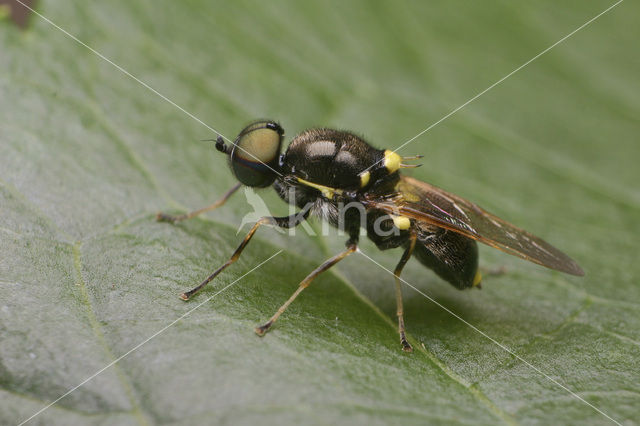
330	170
343	180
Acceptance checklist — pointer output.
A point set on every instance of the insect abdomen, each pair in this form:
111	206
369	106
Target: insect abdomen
452	256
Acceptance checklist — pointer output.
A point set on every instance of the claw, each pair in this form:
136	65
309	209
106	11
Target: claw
262	330
162	217
406	346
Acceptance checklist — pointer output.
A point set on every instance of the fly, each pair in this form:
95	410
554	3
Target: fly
335	174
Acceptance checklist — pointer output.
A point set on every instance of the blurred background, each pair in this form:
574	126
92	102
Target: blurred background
88	155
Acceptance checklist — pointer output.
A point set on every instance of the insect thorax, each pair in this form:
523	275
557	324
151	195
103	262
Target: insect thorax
329	157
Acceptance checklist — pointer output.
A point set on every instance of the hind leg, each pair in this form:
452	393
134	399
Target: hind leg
400	310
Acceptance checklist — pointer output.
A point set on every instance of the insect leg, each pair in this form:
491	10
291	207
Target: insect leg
400	310
351	247
282	222
162	217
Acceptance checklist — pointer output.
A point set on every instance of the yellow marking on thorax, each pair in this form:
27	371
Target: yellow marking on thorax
327	192
401	222
391	161
364	178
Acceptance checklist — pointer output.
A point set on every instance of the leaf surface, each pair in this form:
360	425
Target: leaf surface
88	156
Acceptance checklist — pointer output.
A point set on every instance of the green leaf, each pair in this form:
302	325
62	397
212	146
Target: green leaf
88	156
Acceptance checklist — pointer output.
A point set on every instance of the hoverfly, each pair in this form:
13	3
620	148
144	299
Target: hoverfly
324	170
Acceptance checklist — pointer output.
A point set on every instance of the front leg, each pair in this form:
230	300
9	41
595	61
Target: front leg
282	222
163	217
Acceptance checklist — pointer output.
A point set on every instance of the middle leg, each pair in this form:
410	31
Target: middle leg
351	247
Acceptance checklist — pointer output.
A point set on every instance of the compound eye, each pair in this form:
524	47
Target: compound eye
255	153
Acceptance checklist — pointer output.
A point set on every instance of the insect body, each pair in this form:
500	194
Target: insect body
339	177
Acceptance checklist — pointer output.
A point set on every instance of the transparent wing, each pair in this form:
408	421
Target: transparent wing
426	203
